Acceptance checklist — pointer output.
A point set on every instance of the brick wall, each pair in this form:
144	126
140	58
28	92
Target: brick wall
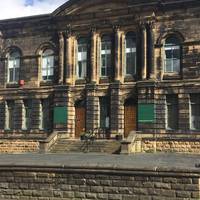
18	146
68	184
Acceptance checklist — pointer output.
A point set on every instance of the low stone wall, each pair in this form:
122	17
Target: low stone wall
170	146
18	146
67	184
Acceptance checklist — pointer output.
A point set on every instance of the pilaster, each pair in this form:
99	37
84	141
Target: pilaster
93	110
144	51
93	56
17	115
117	109
61	57
118	54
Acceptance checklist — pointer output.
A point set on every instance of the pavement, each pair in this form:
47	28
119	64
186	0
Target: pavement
157	161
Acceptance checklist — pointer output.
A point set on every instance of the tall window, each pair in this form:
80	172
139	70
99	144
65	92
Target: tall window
172	55
9	115
48	65
13	66
26	114
44	114
82	59
105	56
172	112
195	112
104	112
131	60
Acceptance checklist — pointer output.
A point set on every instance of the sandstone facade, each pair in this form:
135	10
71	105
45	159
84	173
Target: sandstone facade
70	98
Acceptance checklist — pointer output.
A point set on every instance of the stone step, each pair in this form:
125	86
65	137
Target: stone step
106	146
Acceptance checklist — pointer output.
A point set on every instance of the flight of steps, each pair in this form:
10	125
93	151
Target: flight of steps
97	146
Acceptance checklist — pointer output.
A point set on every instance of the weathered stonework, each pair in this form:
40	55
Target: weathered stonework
152	23
66	184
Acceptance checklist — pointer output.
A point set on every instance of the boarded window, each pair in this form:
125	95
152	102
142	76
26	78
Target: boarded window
195	111
172	112
146	113
60	115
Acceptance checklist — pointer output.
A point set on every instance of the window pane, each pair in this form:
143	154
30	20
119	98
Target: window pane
176	65
16	74
176	53
169	54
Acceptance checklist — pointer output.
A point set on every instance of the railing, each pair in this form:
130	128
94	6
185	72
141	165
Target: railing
90	136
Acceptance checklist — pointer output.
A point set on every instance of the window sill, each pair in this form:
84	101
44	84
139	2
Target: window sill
80	81
46	83
12	85
171	76
129	78
104	80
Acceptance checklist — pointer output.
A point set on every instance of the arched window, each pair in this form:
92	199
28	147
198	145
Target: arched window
131	58
48	65
81	69
105	56
13	66
172	55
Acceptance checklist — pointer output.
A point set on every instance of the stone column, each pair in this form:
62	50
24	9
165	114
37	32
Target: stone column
35	122
184	111
71	115
92	106
2	114
116	110
118	59
61	57
69	58
152	53
93	56
144	52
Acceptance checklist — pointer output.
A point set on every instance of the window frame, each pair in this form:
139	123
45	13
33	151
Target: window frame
13	62
106	39
172	47
82	43
130	36
50	57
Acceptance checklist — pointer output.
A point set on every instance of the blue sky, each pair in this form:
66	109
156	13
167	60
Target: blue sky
20	8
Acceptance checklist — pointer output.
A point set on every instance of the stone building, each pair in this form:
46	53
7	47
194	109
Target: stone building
119	65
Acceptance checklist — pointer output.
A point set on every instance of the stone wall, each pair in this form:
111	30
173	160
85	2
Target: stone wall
68	184
171	146
18	146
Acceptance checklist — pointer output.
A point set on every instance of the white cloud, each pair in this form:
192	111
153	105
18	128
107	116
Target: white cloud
20	8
